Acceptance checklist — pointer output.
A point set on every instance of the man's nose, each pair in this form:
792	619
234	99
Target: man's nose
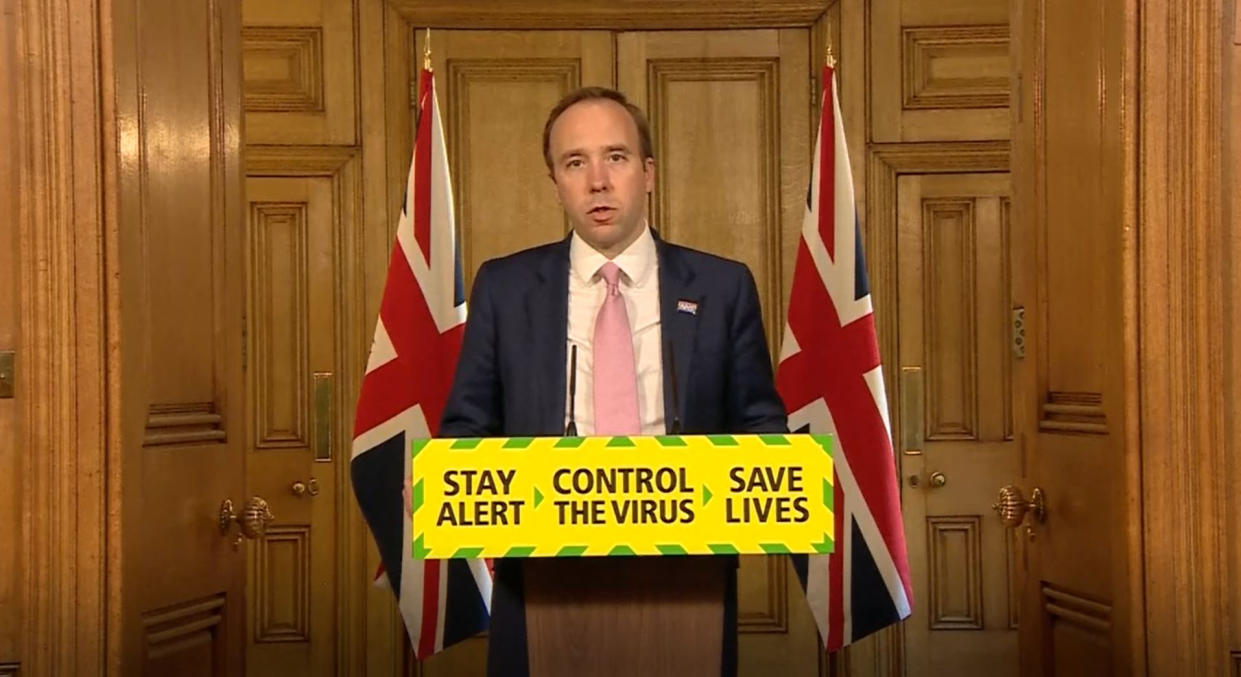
598	177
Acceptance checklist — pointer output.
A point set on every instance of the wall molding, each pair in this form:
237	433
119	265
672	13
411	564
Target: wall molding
1179	390
608	15
70	458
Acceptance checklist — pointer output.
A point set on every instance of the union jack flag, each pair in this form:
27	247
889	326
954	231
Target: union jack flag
408	376
831	380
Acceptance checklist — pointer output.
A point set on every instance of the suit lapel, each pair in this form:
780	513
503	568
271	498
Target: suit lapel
547	307
680	328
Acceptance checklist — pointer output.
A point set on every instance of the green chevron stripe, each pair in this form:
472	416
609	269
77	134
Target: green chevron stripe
420	551
824	442
620	550
825	547
416	497
538	497
775	440
517	443
417	446
466	444
775	548
620	441
519	551
722	548
670	550
568	442
671	441
723	440
571	551
829	495
706	495
467	553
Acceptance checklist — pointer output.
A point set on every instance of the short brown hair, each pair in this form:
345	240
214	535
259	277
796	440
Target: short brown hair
593	94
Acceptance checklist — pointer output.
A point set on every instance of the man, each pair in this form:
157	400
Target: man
639	320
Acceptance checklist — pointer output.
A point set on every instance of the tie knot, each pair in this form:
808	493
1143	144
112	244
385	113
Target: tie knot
610	272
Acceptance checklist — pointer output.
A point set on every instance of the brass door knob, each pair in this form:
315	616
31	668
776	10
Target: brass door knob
938	479
301	488
1012	507
251	523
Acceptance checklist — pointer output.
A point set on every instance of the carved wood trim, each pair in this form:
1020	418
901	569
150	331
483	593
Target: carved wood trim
265	627
1179	393
969	528
922	45
66	303
939	359
609	14
261	160
1062	606
169	630
301	50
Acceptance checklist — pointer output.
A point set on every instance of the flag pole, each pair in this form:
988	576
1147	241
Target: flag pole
426	51
829	59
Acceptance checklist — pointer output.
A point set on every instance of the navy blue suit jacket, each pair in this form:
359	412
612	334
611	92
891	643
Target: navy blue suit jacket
510	378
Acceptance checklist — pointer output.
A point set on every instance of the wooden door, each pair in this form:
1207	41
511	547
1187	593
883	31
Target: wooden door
1071	159
306	338
296	598
958	442
729	113
176	341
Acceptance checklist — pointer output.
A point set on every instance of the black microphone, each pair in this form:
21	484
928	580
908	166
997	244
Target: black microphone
570	430
675	428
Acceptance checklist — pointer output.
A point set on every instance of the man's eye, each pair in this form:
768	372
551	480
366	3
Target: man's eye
573	164
616	157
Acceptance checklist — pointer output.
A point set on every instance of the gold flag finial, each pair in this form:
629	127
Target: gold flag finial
829	59
426	51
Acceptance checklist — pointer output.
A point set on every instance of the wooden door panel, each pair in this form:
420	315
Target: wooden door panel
729	116
299	72
954	281
495	90
939	70
179	208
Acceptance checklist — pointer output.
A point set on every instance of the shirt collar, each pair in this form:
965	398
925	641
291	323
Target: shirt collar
636	262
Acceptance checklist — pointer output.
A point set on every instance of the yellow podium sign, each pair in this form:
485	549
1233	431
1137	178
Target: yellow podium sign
582	496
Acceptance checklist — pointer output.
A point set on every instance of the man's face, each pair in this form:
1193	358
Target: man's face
600	176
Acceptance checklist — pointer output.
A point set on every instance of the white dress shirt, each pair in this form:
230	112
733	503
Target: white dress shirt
639	286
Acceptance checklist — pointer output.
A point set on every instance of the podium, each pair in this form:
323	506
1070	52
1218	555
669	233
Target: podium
581	520
626	615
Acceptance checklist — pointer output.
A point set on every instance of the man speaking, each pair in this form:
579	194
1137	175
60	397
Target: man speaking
610	331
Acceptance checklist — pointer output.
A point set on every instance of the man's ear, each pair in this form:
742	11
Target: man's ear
551	176
648	170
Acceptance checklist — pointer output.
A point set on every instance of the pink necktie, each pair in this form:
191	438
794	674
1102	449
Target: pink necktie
616	380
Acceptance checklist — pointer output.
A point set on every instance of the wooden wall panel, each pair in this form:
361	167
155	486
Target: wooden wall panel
939	71
1232	318
299	71
281	594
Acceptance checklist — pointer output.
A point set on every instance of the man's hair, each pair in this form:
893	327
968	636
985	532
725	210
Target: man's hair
594	94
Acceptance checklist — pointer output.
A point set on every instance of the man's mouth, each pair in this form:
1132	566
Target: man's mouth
601	213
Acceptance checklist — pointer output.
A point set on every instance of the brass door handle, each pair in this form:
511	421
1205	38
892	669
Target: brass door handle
1012	507
251	523
938	479
300	488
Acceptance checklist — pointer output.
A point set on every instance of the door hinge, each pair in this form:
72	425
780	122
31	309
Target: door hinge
7	378
1019	332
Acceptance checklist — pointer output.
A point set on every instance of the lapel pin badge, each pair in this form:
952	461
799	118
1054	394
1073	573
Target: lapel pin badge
690	307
